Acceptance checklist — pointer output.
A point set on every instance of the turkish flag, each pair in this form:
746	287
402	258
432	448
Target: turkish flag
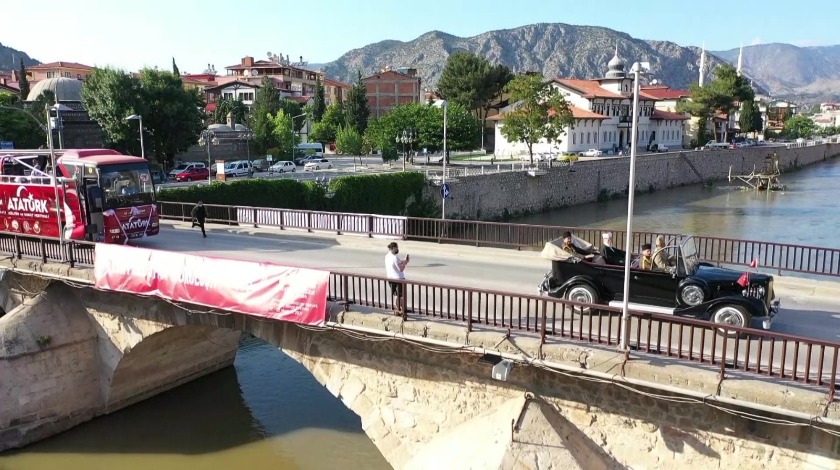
744	280
754	263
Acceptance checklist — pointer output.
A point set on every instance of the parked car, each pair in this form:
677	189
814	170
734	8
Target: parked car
592	153
658	148
282	167
306	159
260	165
193	174
688	288
318	164
185	166
241	168
158	175
714	145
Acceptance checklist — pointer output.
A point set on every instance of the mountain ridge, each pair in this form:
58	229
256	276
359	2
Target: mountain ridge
10	58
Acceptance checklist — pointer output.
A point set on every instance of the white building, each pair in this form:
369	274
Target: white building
602	109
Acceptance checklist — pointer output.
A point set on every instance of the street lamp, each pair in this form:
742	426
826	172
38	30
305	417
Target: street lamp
638	69
247	136
207	137
137	117
408	136
443	104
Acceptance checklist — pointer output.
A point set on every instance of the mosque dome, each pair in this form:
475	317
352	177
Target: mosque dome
65	89
615	66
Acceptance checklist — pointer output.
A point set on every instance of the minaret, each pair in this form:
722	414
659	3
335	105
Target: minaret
740	59
702	63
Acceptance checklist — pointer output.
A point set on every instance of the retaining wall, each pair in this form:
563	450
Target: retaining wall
495	196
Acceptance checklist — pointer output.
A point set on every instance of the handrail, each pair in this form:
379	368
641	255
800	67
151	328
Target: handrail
779	257
767	353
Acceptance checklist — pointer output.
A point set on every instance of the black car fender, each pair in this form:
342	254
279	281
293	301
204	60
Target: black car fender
755	307
580	279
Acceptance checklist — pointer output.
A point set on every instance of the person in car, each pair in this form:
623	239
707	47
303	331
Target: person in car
661	259
610	254
644	260
575	252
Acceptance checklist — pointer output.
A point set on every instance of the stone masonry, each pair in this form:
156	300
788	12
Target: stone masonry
499	195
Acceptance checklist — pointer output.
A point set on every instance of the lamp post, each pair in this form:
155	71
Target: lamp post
138	117
407	136
247	136
58	124
207	137
638	69
443	104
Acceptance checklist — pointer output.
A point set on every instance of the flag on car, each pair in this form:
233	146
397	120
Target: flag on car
754	263
744	280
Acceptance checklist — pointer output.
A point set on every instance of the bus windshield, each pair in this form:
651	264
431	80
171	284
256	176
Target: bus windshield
126	185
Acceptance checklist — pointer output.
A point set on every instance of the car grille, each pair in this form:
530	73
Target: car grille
767	298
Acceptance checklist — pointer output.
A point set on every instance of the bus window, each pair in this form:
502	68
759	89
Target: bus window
126	185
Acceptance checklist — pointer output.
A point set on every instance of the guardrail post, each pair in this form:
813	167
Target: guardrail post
309	222
338	224
71	254
43	250
544	308
183	211
404	300
370	225
469	311
255	217
230	215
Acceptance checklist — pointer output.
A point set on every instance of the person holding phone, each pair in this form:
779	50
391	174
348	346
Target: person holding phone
395	269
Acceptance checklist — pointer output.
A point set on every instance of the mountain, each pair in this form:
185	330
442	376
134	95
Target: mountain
555	49
803	73
10	58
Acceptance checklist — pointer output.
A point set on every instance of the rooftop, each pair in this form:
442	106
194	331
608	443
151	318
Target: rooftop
60	64
658	114
577	113
663	92
587	88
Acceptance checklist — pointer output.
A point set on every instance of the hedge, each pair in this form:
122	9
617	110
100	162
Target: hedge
386	194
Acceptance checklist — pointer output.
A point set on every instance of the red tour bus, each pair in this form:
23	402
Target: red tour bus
104	196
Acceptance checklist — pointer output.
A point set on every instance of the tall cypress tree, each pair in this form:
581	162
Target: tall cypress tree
319	104
356	107
175	70
266	104
23	82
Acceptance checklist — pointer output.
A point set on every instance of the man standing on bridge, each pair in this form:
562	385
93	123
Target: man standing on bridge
199	215
395	269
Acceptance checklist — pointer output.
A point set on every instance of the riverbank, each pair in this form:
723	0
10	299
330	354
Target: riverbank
505	195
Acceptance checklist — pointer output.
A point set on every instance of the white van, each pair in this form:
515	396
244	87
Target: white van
240	168
712	145
181	167
310	148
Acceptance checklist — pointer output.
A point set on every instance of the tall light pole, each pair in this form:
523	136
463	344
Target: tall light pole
407	136
138	117
208	137
638	69
443	104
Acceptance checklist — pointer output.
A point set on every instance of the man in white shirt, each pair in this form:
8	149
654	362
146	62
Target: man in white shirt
395	269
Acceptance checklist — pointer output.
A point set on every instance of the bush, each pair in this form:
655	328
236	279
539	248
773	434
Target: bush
386	194
281	193
568	158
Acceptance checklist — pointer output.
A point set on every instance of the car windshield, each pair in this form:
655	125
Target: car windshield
126	185
688	250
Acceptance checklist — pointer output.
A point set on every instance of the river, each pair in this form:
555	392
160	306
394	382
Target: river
267	412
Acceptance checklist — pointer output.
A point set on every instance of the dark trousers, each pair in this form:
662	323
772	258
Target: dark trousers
199	223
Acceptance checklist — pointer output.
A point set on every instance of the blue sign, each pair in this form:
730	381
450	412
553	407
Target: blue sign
445	192
6	145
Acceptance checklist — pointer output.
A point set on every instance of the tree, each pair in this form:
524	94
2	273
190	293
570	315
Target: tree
720	95
17	127
356	108
540	112
284	134
266	104
109	96
799	127
472	82
348	141
750	119
332	120
830	131
23	82
319	104
175	70
225	106
294	110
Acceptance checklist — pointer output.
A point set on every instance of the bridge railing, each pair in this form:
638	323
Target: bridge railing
766	353
47	249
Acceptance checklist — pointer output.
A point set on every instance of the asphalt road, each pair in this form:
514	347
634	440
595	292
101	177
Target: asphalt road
803	314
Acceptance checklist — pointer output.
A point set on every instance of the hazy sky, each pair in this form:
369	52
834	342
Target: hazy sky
133	34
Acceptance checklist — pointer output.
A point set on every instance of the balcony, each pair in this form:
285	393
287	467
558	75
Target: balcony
625	121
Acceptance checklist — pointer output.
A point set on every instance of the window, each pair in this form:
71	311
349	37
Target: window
605	137
595	137
574	138
587	137
50	74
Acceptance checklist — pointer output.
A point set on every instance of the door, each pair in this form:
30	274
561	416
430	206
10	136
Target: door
653	288
93	208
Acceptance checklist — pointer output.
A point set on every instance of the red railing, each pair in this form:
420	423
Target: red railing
779	257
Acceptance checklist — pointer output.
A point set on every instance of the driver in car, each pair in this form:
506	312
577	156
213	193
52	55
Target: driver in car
661	259
573	250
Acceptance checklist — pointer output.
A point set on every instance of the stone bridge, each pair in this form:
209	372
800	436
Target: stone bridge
423	390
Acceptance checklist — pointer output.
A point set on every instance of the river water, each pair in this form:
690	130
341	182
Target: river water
267	412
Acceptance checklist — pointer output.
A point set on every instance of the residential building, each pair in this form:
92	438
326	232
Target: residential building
668	99
235	90
199	81
776	112
59	69
602	109
7	85
292	80
334	90
390	88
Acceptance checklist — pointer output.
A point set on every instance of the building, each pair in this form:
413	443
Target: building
235	90
199	81
334	91
776	112
668	99
290	80
7	85
602	109
59	69
73	129
390	88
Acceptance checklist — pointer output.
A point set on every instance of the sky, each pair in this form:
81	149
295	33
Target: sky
136	34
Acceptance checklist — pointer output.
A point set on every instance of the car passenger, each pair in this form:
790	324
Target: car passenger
644	260
574	251
610	254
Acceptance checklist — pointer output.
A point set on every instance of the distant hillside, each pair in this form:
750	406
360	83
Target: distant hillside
10	58
555	49
802	73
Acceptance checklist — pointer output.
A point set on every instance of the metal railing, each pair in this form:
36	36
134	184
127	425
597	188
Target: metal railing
766	353
779	257
761	352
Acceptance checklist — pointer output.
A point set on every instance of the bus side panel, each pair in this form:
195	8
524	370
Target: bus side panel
28	209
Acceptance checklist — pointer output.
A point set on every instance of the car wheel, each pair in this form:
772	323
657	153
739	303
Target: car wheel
294	170
732	315
584	294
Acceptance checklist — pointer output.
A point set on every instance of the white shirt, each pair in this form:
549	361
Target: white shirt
392	268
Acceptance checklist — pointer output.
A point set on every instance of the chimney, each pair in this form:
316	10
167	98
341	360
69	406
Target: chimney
248	61
301	59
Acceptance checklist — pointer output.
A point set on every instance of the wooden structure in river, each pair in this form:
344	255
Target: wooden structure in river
765	180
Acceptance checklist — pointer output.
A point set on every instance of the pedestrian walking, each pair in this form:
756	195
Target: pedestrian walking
199	215
395	269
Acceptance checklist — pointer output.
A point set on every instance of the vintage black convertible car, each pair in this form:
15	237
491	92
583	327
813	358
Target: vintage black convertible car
686	287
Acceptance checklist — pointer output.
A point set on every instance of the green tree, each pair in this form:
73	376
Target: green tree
319	104
284	133
356	107
109	96
17	127
224	106
175	70
720	95
266	104
830	131
799	127
471	81
332	120
348	141
173	116
23	82
750	119
294	110
540	112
